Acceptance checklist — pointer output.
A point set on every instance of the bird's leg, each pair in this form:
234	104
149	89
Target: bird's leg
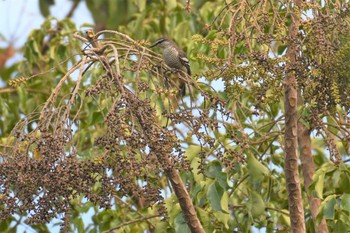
171	70
158	68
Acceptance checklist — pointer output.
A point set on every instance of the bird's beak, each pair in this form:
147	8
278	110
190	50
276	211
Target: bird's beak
154	45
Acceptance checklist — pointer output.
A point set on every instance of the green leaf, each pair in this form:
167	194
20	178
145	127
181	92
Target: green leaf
319	184
214	195
256	204
331	122
79	224
5	74
329	204
205	218
181	225
211	35
139	25
224	202
171	4
269	93
4	225
257	171
281	49
161	227
198	177
95	118
222	179
44	6
118	12
283	218
327	167
213	169
192	153
341	227
318	180
98	11
345	202
141	4
343	182
85	207
274	108
223	217
173	209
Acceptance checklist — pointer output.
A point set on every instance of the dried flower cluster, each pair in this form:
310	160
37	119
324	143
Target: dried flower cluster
256	54
44	169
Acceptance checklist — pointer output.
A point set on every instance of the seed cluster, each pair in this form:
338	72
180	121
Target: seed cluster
44	169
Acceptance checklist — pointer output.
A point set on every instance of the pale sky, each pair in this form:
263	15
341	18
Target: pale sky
19	17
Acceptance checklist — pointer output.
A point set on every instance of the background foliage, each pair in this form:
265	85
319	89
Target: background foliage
226	136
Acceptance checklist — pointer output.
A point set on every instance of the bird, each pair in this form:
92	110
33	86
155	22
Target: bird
175	58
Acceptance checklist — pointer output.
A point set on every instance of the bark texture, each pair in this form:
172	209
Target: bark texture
295	202
185	201
308	168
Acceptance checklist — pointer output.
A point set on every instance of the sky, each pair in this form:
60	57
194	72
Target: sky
19	17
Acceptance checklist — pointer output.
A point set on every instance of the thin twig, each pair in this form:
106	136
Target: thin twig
132	222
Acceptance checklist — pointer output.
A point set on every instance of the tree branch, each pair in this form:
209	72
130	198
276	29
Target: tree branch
295	202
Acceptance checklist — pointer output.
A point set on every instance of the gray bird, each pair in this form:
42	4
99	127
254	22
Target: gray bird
175	58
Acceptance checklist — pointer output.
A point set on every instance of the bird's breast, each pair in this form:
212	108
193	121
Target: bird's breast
171	58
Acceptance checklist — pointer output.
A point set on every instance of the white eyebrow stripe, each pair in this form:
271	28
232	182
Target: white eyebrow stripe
184	59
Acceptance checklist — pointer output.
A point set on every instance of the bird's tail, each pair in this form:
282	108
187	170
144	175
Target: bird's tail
182	91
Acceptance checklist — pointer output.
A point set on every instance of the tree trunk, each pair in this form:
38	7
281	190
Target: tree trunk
295	202
308	168
185	201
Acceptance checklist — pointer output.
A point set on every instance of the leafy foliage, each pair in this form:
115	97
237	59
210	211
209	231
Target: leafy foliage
96	123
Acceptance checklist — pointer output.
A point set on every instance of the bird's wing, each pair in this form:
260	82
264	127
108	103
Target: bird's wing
184	61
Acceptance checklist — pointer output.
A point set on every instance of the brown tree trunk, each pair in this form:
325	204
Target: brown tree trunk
308	168
295	202
185	201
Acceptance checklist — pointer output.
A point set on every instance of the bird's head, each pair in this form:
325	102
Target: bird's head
162	42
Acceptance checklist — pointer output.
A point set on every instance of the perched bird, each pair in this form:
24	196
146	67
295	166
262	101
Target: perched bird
175	58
